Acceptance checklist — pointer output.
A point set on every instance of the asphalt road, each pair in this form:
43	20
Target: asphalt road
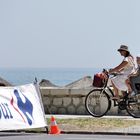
65	137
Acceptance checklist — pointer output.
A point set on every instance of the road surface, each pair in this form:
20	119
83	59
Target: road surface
23	136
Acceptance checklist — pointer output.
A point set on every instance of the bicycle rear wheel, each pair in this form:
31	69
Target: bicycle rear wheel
97	103
133	106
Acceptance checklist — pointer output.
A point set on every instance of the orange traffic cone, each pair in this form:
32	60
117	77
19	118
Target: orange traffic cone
53	127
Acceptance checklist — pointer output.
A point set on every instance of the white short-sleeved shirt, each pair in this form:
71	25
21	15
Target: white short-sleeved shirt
130	67
119	80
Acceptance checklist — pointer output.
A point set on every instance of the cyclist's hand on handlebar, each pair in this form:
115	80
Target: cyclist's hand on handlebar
105	71
109	70
112	72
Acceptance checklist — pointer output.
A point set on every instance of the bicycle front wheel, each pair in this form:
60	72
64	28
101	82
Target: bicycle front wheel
133	106
97	102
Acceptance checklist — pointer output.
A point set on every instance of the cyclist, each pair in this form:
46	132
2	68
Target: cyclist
138	62
138	66
135	76
124	69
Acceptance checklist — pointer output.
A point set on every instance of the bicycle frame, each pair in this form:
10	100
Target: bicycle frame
106	87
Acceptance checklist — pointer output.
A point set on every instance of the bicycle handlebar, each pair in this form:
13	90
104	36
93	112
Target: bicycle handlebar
105	71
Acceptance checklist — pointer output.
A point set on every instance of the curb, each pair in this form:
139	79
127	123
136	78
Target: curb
99	133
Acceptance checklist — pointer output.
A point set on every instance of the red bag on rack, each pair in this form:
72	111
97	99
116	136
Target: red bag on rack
99	80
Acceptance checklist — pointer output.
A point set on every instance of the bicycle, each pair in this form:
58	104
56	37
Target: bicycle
99	101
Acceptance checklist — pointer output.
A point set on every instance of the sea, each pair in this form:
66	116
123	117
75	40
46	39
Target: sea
57	76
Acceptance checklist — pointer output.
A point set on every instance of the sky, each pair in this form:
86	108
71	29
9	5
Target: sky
67	33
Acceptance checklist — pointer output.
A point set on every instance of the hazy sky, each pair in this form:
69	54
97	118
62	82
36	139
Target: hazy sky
67	33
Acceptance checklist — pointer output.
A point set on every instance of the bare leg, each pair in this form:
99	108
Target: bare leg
115	90
128	85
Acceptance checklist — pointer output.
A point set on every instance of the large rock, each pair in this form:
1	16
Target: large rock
3	82
46	83
84	82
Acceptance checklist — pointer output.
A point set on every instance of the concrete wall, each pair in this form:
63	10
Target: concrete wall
67	101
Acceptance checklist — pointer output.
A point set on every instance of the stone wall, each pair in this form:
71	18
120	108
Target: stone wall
67	101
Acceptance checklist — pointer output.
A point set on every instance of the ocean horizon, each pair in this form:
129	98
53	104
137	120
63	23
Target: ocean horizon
58	76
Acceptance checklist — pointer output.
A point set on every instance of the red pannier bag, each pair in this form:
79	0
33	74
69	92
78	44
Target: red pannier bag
99	80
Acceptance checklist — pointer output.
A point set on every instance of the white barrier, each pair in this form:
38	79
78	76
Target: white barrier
21	108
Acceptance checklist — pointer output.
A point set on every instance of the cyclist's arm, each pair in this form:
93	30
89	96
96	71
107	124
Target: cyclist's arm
119	68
